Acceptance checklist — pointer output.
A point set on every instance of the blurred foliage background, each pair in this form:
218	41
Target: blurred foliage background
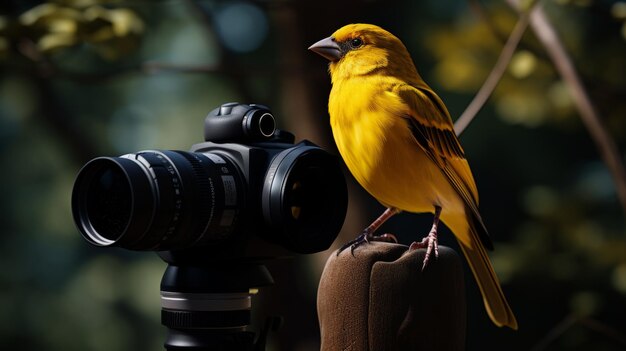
83	78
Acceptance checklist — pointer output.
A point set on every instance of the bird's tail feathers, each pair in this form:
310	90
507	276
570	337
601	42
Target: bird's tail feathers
495	302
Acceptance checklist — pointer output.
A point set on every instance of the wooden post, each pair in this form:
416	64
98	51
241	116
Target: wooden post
379	299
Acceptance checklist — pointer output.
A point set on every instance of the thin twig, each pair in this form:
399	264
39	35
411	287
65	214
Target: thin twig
569	321
495	75
604	329
555	332
604	141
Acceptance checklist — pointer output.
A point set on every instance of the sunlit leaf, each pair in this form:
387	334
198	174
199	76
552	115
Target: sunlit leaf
561	99
55	41
459	73
526	107
523	63
47	13
113	32
122	22
618	10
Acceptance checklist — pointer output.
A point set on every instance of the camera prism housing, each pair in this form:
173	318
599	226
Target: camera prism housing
247	181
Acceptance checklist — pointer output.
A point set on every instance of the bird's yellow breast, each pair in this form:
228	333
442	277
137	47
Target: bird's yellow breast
379	149
357	128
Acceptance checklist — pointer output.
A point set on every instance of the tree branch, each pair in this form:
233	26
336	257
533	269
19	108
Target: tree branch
569	321
604	141
555	333
495	75
605	330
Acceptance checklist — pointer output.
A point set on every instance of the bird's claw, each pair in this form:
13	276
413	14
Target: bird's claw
354	243
366	237
429	243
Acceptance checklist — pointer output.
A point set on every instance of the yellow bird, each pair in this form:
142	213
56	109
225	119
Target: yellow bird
396	137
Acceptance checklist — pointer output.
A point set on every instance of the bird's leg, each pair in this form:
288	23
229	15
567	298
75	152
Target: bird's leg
430	241
368	233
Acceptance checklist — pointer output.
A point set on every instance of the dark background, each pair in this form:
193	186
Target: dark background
83	78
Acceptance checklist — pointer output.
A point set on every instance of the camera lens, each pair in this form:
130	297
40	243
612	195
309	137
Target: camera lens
157	200
110	202
305	198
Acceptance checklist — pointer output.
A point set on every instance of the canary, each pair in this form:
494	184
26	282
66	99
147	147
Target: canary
397	139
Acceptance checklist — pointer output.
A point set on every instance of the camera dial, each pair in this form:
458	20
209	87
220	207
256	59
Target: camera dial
234	122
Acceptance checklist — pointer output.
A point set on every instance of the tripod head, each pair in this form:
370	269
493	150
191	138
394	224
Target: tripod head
206	305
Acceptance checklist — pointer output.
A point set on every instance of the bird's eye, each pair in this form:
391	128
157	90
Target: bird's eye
356	42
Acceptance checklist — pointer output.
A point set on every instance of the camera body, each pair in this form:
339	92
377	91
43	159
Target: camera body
269	184
247	181
215	214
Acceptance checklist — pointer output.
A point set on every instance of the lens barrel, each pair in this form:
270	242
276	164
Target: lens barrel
291	195
157	200
304	198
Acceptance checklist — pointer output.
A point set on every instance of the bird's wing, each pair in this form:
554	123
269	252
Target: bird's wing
432	128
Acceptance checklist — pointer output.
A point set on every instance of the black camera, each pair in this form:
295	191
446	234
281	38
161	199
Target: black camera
215	214
247	181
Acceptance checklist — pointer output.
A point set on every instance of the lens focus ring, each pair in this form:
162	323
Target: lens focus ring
157	200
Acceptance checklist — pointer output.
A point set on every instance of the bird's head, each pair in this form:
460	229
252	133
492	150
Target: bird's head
362	49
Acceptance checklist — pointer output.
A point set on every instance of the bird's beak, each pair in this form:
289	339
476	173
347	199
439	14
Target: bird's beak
328	48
